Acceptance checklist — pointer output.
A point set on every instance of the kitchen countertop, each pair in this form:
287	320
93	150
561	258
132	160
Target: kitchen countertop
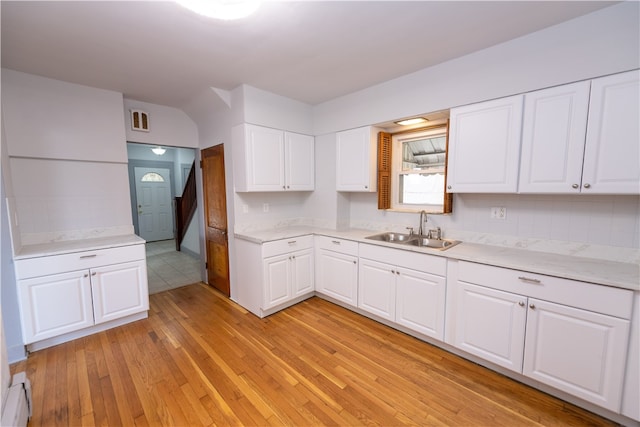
609	273
80	245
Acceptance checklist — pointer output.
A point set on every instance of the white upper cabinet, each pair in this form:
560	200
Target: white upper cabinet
553	136
266	159
484	146
356	159
612	149
299	162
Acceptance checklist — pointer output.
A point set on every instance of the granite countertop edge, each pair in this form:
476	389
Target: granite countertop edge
621	275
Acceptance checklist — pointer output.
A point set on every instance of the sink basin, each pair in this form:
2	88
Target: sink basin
425	242
413	240
391	237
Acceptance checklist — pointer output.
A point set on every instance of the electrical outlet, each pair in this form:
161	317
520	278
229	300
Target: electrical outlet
499	213
265	207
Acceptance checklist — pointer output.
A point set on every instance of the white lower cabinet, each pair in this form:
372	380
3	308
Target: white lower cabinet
287	276
404	287
570	335
337	269
491	324
53	302
54	305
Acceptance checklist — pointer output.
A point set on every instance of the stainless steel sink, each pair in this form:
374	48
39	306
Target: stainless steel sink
425	242
391	237
414	240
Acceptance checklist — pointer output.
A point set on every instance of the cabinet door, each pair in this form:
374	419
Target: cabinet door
484	147
277	280
302	272
54	305
119	290
299	162
377	288
265	158
356	160
420	302
337	276
612	150
553	137
577	351
491	324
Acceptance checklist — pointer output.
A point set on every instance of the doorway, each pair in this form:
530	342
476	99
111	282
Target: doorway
167	268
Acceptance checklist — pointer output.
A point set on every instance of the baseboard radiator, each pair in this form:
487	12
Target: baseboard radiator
17	409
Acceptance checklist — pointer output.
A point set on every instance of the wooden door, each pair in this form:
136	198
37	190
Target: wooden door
215	215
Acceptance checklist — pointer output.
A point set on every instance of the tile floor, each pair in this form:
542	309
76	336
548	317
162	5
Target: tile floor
168	269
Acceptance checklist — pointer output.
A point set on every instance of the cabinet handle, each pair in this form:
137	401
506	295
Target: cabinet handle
292	242
284	188
575	186
88	256
448	187
521	303
288	187
393	272
355	262
528	279
86	275
293	257
336	242
398	273
94	273
532	306
587	185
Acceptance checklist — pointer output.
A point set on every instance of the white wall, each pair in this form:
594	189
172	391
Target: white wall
604	42
167	125
67	160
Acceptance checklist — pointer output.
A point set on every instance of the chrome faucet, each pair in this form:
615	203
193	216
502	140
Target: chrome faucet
423	219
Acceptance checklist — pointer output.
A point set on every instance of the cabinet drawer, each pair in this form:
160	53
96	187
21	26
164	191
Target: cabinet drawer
589	296
414	260
343	246
45	265
284	246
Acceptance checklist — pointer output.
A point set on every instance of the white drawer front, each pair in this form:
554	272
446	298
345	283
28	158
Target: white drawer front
348	247
54	264
416	261
589	296
285	246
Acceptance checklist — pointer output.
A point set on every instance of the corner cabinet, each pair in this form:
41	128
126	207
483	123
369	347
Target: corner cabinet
66	294
266	159
570	335
356	159
484	147
286	275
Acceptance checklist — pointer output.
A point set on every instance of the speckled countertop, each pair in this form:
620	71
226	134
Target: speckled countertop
610	273
71	246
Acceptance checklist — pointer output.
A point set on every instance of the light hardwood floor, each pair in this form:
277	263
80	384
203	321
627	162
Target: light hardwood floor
200	359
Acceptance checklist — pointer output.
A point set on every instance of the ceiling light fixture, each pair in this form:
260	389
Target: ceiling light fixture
222	9
158	151
412	121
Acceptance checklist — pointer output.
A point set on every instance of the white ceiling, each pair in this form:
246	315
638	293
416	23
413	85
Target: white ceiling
312	51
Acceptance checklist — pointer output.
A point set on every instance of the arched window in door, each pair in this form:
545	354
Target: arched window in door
152	177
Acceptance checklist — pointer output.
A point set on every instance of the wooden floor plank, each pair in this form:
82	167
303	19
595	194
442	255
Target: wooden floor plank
200	359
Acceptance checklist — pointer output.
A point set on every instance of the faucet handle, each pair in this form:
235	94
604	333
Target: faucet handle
435	233
410	230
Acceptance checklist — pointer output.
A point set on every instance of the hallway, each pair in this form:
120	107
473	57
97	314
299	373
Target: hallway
169	269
